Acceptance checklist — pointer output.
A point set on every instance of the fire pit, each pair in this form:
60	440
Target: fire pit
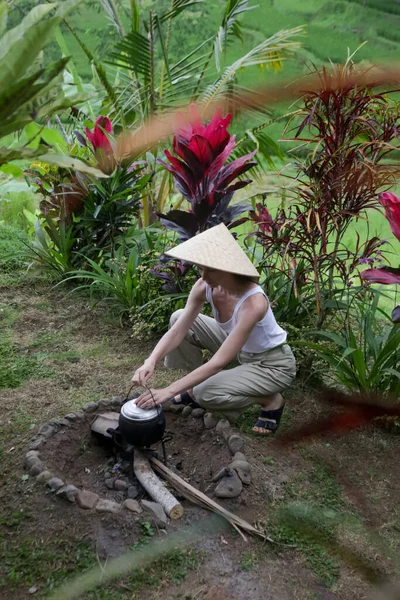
97	457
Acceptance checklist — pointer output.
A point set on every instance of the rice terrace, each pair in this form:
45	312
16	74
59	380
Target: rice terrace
199	312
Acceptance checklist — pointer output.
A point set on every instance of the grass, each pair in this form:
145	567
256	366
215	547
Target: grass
18	365
172	568
248	561
42	563
11	245
308	516
12	207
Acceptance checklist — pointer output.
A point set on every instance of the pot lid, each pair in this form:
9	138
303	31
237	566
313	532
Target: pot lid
130	411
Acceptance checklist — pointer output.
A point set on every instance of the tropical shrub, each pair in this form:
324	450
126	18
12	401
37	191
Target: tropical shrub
351	130
82	215
154	75
31	92
203	178
384	274
362	351
124	280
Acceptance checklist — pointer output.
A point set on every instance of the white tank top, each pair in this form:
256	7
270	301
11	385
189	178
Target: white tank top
266	334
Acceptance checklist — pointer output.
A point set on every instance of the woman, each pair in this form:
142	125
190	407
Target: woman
243	328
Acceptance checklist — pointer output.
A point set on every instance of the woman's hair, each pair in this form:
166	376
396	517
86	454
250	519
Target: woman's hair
244	278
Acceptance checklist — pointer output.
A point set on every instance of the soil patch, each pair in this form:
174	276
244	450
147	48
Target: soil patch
356	475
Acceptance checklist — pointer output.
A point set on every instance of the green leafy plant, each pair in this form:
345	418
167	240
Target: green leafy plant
362	352
119	279
52	247
30	91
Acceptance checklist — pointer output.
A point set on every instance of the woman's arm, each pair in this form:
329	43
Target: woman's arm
252	311
175	335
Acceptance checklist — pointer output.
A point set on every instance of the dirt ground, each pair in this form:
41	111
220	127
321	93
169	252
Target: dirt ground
351	482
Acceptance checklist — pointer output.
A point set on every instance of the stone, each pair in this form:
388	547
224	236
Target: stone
90	407
86	499
133	491
37	443
240	464
240	456
107	475
110	483
69	492
223	427
32	453
132	505
187	411
229	487
44	476
47	430
55	483
243	476
197	413
104	421
33	589
210	420
64	422
108	506
235	443
104	402
176	408
120	485
30	461
37	468
117	400
79	414
220	474
71	417
156	511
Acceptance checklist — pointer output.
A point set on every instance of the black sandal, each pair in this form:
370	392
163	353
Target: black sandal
270	425
186	400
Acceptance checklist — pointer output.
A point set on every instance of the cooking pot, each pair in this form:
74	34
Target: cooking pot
138	427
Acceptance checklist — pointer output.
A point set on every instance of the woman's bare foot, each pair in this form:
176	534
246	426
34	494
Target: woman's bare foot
274	402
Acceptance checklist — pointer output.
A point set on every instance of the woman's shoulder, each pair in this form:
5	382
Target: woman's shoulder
256	303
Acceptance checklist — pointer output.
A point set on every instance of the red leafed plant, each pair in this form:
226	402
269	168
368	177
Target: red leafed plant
202	176
350	131
388	275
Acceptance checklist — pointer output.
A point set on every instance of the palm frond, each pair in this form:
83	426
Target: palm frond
113	15
230	27
177	7
134	53
270	52
99	69
267	149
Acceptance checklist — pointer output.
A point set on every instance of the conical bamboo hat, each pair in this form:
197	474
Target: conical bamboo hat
215	248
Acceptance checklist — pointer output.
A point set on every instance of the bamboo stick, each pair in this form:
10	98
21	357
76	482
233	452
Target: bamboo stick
198	497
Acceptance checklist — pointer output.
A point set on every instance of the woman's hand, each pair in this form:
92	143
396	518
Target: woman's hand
151	397
143	373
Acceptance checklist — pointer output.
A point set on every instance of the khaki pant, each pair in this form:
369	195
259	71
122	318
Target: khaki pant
233	390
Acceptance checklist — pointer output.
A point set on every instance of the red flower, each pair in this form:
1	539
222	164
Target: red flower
385	275
391	204
98	137
198	167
